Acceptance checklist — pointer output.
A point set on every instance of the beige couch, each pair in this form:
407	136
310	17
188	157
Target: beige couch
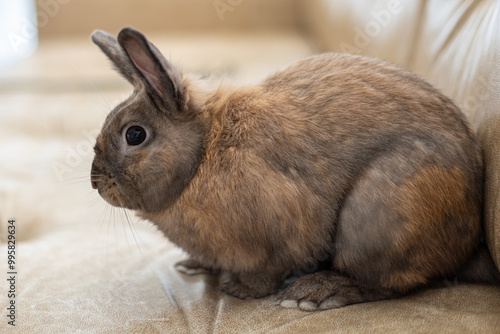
83	267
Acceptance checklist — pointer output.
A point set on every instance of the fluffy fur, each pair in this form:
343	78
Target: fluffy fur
337	156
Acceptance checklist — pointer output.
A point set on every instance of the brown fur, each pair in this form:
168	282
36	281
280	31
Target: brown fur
337	155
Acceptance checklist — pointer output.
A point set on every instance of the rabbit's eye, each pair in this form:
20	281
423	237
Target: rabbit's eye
135	135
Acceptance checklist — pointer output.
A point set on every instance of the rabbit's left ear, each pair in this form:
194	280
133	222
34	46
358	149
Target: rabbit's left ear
109	45
159	74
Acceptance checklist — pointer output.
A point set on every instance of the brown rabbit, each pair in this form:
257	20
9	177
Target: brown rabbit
337	156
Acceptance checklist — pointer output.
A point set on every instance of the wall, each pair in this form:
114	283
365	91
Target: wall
61	17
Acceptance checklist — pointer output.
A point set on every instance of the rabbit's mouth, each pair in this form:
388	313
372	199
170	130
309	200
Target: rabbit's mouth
111	195
109	189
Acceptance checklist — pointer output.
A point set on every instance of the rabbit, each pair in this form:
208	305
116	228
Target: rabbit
339	157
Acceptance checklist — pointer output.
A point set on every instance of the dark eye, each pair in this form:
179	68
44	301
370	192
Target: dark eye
135	135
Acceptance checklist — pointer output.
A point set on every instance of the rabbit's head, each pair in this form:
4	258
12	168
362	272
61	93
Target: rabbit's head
150	144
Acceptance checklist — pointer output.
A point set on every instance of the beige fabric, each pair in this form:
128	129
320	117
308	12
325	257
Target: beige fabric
488	118
85	267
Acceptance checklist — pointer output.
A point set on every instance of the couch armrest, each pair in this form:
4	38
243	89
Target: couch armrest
490	138
489	134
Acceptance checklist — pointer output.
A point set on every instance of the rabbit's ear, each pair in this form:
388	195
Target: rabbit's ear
158	73
109	45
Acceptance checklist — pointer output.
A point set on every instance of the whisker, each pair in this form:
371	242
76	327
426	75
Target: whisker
94	200
124	230
79	177
107	213
113	216
76	182
134	233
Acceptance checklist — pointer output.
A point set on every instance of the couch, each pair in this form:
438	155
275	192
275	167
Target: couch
85	267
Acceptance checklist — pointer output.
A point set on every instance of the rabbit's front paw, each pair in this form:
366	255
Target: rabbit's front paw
193	267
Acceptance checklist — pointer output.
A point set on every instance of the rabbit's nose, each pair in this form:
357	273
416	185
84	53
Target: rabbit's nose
94	175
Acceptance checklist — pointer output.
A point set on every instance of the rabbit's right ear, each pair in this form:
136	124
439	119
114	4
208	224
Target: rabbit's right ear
109	45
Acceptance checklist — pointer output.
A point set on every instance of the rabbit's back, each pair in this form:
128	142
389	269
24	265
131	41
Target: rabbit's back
360	93
333	113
